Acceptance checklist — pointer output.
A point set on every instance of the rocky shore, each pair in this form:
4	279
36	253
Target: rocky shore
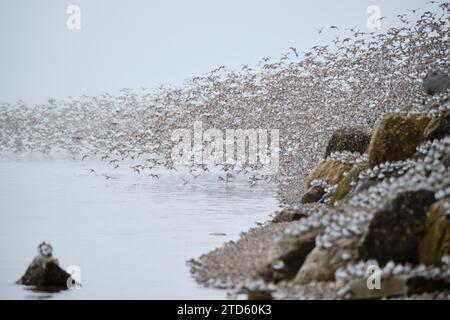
376	208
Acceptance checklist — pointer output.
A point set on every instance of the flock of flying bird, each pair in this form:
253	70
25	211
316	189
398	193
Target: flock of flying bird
351	82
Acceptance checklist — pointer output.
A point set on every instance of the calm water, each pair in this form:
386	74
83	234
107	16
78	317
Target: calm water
131	235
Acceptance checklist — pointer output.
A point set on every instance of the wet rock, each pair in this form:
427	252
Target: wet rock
44	271
289	215
314	194
397	228
345	185
435	83
438	128
321	264
436	242
354	139
330	171
286	256
396	138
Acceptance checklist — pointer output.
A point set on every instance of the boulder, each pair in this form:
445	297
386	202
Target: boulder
438	127
397	228
259	295
44	271
436	242
331	171
286	256
395	138
289	215
345	185
354	139
390	287
321	264
396	286
436	82
314	194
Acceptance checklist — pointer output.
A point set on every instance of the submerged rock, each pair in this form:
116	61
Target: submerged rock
355	139
44	271
396	138
436	242
330	171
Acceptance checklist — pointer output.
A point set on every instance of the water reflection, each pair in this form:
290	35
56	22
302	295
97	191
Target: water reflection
130	235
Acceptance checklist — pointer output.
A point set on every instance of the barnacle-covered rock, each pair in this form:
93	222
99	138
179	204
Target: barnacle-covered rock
397	227
330	171
44	271
286	256
438	127
353	139
436	242
396	138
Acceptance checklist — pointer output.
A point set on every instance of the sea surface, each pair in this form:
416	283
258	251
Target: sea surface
129	235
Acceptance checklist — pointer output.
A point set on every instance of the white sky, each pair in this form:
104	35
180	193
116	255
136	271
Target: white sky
133	43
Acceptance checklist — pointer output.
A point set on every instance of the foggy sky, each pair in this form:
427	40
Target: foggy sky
146	43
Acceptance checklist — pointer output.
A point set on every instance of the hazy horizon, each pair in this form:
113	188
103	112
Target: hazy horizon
133	44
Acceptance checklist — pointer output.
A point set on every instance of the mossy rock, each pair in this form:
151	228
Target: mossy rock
331	171
345	185
397	228
397	286
353	139
321	264
314	194
438	127
390	287
436	242
395	138
286	256
289	215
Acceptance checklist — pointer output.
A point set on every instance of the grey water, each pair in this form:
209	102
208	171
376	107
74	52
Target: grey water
129	234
